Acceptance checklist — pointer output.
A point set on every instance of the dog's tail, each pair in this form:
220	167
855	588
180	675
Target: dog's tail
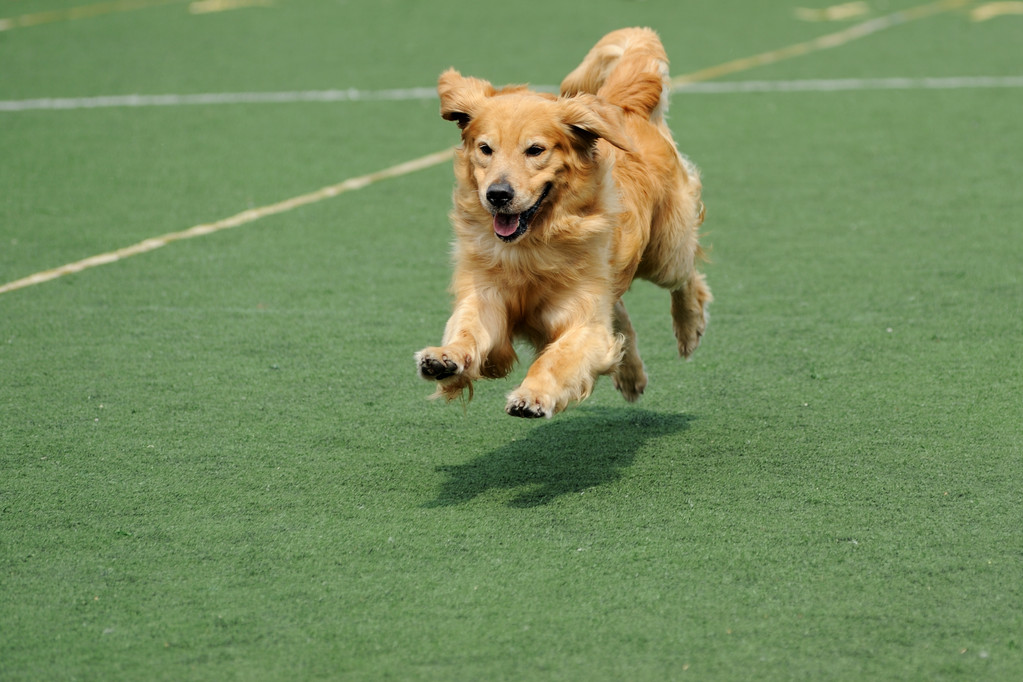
629	68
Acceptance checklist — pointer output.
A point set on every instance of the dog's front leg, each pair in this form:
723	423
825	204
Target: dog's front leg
475	328
565	371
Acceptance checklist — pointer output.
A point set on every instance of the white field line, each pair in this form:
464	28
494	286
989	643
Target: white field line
847	84
350	95
233	221
406	94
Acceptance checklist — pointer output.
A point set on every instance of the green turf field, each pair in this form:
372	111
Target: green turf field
216	459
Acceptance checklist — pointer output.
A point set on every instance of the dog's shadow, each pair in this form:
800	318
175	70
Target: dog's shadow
570	454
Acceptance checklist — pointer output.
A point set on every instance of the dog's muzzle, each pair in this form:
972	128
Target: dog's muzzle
510	226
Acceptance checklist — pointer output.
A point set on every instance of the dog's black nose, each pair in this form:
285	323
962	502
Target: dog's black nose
499	194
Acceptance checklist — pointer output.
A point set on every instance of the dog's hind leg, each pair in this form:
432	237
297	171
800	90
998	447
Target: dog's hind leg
689	312
629	376
671	259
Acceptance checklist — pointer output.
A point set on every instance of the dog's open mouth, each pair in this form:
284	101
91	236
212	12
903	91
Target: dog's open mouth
510	226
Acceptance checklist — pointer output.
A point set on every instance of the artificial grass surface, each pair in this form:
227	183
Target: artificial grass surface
217	462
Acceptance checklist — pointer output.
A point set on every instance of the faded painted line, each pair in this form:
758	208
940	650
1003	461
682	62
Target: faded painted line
824	42
995	9
807	85
848	84
81	12
211	6
848	10
237	220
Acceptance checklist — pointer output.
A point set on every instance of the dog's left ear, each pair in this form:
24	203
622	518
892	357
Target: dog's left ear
588	118
460	97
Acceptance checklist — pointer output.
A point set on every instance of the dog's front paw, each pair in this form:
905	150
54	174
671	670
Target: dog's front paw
432	368
523	403
436	365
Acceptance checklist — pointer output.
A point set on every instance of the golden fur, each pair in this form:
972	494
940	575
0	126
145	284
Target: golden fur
559	203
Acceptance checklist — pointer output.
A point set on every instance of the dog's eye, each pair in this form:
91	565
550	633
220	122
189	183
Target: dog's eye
535	150
485	149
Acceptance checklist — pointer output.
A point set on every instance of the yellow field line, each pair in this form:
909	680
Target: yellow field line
211	6
234	221
80	12
848	10
995	9
824	42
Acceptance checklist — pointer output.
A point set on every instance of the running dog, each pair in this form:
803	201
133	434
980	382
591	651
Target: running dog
560	202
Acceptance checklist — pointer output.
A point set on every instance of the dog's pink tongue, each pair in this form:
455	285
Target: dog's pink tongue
505	224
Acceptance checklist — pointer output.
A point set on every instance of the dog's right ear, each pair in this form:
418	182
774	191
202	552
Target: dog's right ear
460	97
588	118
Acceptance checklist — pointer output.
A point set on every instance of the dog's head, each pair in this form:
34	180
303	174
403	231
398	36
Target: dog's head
522	150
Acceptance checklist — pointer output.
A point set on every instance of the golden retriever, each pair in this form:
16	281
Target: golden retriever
560	201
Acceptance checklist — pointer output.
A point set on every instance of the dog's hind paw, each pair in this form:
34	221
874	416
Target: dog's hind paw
687	343
630	380
631	388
